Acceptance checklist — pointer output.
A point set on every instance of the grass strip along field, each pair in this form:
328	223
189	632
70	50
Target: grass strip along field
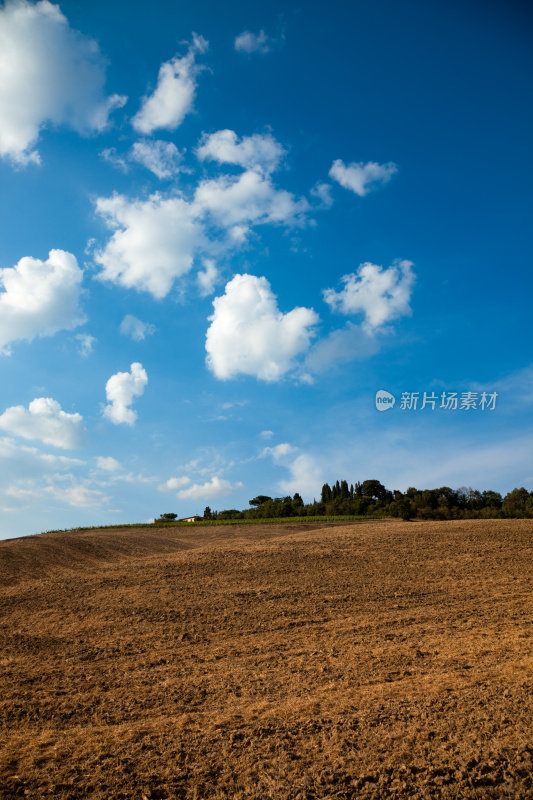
292	661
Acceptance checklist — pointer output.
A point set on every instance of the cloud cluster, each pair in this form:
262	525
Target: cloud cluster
156	241
249	335
121	390
362	178
380	294
45	421
49	73
39	298
259	151
173	96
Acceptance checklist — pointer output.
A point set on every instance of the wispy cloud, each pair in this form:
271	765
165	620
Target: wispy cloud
173	97
248	42
362	178
135	328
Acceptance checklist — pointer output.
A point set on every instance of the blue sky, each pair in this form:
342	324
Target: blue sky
225	228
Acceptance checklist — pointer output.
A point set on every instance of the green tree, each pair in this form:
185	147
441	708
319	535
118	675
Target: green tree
259	500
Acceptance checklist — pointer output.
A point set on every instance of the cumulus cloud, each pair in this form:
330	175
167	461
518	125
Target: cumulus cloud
153	243
250	198
362	178
49	73
162	158
173	96
107	463
44	420
135	328
260	151
121	390
216	487
39	298
207	277
249	335
248	42
380	294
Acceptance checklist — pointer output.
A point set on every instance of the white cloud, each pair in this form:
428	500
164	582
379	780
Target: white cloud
112	157
121	389
39	298
341	346
25	461
362	178
175	483
173	96
249	335
107	463
156	241
78	495
250	198
135	328
266	434
208	277
216	487
380	294
247	42
260	151
153	243
46	421
49	73
322	192
279	451
86	343
306	477
161	158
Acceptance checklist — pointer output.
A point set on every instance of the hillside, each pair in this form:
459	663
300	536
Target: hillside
299	661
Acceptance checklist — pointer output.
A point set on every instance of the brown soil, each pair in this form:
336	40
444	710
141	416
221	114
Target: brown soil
368	660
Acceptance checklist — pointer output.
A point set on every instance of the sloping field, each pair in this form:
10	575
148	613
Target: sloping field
306	661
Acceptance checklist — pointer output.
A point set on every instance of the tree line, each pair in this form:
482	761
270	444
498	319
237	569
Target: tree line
371	498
